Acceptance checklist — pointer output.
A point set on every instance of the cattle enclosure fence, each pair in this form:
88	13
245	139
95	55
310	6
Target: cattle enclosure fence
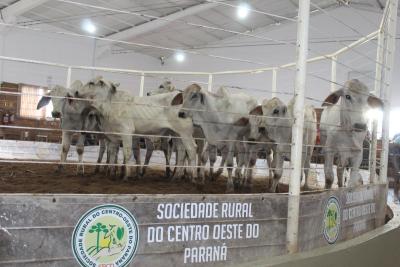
383	39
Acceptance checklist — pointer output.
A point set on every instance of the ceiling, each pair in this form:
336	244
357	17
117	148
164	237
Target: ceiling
179	24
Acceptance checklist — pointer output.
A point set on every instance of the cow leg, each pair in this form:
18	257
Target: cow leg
65	145
112	158
396	188
242	156
269	162
306	166
248	184
328	169
149	153
107	168
170	146
190	147
340	171
277	164
180	155
355	176
200	150
212	155
185	147
127	151
224	154
136	154
102	149
80	147
229	165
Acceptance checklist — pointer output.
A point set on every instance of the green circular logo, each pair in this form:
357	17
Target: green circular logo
332	220
105	236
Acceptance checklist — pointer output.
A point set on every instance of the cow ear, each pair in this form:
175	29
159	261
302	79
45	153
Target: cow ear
113	89
242	122
375	102
43	102
257	111
201	98
333	98
178	100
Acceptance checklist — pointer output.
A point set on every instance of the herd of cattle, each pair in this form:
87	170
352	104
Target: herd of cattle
197	124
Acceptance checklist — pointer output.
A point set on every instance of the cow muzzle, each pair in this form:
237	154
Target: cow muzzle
182	114
55	114
252	139
359	127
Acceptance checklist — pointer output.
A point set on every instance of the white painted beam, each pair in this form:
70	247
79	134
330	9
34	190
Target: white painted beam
10	13
133	32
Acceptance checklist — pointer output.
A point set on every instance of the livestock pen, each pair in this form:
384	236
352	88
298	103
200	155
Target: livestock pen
66	219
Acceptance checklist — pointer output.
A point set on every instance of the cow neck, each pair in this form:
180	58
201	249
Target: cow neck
212	120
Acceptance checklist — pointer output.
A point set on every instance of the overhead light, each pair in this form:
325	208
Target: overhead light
179	56
243	10
88	26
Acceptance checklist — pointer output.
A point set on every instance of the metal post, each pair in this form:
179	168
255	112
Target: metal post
385	93
210	82
141	89
274	87
69	75
333	73
377	92
297	129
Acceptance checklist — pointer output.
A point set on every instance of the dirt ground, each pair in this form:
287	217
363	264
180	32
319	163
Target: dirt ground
42	178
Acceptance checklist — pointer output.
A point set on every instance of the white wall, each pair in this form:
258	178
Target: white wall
60	49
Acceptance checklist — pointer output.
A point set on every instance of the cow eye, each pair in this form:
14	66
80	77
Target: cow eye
276	111
348	97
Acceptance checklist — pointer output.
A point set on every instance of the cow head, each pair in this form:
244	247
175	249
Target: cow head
355	101
91	119
57	95
276	121
255	121
165	87
98	88
191	99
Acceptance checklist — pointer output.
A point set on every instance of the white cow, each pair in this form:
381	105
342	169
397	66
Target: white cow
276	123
69	112
127	115
216	115
343	128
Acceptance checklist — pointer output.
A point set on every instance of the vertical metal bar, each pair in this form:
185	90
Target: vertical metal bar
274	82
377	92
210	82
69	75
297	129
141	89
333	73
387	73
